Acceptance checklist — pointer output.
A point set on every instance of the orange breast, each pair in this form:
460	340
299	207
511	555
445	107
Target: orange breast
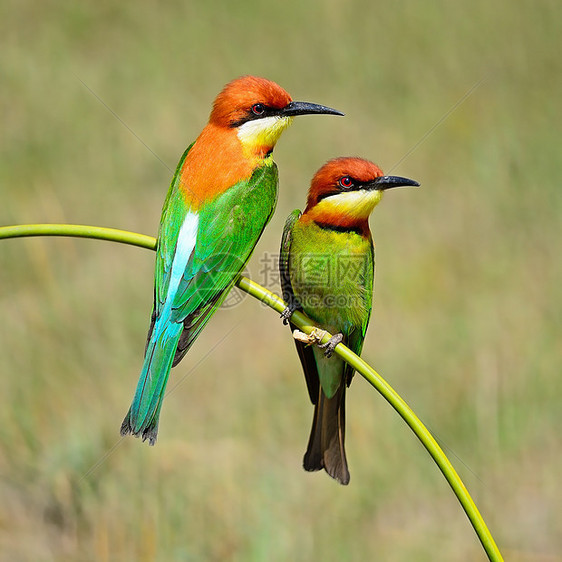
215	163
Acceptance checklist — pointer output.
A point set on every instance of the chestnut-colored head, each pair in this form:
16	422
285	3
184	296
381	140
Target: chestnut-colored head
345	190
341	175
259	110
247	98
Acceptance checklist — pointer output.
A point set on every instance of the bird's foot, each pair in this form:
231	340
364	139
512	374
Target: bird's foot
288	312
330	345
314	338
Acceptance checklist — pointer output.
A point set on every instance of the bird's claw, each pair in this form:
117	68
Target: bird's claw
330	345
315	338
288	312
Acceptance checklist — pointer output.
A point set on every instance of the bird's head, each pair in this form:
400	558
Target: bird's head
345	190
259	110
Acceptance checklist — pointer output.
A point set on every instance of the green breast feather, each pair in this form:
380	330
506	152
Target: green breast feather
332	277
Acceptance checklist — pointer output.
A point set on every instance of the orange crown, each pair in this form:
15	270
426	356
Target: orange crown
325	181
238	96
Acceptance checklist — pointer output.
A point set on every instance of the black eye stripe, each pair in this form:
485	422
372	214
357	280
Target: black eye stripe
251	114
354	185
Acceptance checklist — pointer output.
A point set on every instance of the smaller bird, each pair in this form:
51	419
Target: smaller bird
327	266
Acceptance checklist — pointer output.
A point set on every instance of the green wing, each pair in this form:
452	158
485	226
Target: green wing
305	353
228	230
201	250
356	337
284	251
174	212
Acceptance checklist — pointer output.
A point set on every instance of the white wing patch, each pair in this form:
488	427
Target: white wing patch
187	237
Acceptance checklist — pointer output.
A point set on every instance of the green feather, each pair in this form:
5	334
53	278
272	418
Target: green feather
328	274
228	229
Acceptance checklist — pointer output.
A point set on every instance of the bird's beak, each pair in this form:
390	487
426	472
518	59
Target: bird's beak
386	182
306	108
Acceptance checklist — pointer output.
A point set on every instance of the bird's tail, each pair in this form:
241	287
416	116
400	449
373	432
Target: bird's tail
142	417
326	449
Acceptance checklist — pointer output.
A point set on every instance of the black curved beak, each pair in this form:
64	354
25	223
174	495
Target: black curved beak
306	108
386	182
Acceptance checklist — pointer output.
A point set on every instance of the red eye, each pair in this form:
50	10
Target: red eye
346	182
258	109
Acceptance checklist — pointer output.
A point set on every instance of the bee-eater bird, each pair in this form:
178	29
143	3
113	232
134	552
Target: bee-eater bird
221	198
327	262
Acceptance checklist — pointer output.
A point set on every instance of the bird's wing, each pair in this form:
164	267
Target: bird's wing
284	251
174	212
306	353
227	230
356	337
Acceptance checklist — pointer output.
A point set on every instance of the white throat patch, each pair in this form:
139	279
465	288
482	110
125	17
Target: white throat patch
264	131
358	204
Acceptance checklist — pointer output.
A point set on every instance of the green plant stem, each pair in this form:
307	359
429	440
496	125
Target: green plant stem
79	231
306	325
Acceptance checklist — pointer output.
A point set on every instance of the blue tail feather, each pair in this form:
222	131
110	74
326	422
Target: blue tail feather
143	415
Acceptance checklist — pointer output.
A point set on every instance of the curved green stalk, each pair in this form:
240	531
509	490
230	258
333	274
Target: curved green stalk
79	231
306	325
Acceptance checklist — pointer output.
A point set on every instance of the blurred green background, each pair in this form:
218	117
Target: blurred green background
467	317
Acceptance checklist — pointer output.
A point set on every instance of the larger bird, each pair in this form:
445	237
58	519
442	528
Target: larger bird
327	270
221	198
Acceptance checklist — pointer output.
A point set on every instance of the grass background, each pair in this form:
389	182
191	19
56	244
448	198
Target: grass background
467	318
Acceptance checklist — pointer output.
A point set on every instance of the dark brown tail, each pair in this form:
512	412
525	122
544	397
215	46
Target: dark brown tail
326	448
